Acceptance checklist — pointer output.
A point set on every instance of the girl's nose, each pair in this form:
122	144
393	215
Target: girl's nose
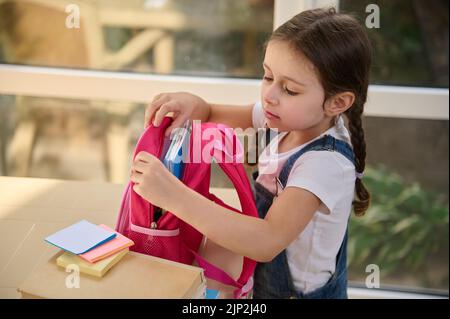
270	95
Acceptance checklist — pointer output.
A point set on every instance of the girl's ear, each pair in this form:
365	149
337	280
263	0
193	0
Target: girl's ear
339	103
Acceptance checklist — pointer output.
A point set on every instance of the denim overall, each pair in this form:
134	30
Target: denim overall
273	279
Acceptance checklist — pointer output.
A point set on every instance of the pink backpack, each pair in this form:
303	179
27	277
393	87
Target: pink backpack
170	237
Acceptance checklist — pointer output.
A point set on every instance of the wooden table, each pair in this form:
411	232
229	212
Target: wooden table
33	208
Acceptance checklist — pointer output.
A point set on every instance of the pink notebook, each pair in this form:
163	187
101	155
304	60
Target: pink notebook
111	247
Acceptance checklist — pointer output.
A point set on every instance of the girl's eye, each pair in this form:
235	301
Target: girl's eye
266	78
290	92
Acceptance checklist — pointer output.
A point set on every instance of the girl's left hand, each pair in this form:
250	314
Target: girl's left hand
153	181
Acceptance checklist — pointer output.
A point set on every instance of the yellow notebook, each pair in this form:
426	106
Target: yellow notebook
97	269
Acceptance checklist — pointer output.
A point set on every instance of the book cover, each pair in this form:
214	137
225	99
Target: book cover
136	276
80	237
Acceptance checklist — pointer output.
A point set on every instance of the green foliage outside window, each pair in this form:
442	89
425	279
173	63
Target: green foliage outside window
405	231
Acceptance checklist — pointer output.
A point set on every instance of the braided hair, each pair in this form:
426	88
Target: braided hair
340	50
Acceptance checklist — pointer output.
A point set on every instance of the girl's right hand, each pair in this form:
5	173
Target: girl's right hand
183	105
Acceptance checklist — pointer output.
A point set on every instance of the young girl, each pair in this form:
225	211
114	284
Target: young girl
316	70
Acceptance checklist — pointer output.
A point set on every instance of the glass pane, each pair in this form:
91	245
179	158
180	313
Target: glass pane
411	43
406	230
195	37
68	139
73	139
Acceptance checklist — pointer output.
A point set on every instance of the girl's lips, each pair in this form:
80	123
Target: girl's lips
270	115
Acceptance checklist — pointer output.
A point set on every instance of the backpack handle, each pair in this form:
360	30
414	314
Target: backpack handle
228	153
230	161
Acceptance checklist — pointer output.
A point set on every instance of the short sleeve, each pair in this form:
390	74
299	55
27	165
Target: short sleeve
258	118
321	174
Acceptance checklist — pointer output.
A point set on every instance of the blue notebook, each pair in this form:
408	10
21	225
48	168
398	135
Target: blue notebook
175	153
80	237
178	151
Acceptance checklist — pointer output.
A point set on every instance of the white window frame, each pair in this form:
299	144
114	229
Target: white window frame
286	9
383	101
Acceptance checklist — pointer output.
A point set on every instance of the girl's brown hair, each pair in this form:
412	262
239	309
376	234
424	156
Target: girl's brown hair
340	50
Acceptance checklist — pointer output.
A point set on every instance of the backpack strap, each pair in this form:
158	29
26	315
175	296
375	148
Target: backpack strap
228	153
243	285
325	143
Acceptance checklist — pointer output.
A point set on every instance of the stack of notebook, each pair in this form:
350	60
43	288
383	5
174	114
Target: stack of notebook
94	249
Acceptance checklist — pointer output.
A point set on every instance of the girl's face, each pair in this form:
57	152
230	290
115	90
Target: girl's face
291	94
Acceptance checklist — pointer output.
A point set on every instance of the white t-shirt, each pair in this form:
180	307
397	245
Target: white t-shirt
331	177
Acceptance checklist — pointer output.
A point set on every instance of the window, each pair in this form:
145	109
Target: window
68	139
405	233
85	93
193	37
410	43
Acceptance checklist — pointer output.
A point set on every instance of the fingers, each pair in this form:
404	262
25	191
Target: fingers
154	106
167	107
137	189
144	157
139	167
177	122
135	177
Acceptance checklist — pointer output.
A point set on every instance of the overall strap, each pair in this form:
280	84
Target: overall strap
326	143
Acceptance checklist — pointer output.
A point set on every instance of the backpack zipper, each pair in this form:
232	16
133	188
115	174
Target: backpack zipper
153	224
